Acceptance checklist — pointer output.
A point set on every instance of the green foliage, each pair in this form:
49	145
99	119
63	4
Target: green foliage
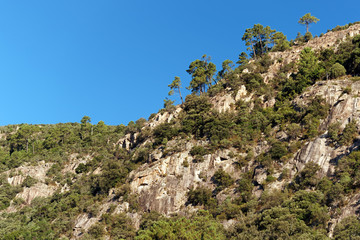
339	28
82	168
96	231
258	39
222	179
202	72
309	207
337	70
280	42
253	81
7	192
275	223
347	171
243	59
201	196
349	133
307	178
164	132
197	109
263	63
118	226
309	69
348	228
227	67
348	55
200	226
29	182
244	188
23	138
176	84
169	105
308	36
198	150
307	19
334	131
278	150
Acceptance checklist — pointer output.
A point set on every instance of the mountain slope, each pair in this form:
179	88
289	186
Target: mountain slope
269	152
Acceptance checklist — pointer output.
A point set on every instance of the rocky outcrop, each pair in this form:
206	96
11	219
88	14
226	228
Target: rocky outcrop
37	172
162	186
38	190
226	101
163	117
330	39
343	108
74	161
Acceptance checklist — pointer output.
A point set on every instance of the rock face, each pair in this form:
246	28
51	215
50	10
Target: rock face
162	186
37	172
344	107
38	190
226	101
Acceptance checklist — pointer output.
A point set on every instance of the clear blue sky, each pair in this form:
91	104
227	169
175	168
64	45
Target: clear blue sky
112	60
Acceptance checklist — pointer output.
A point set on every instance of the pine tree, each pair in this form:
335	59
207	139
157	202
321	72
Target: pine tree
307	19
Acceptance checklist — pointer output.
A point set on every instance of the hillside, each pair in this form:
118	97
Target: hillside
269	151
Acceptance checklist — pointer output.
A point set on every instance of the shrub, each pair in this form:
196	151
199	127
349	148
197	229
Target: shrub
29	181
96	231
222	179
200	226
347	90
164	132
309	207
348	228
200	196
349	133
252	81
198	151
81	168
278	150
337	70
307	177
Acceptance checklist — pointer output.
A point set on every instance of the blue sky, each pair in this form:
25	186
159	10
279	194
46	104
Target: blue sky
112	60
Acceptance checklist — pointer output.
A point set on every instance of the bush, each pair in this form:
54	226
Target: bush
348	228
337	70
222	179
309	207
82	168
198	151
349	133
308	36
200	196
253	81
278	150
307	177
29	181
164	132
200	226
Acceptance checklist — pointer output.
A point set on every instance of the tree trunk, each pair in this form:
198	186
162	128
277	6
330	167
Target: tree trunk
252	45
182	101
261	44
